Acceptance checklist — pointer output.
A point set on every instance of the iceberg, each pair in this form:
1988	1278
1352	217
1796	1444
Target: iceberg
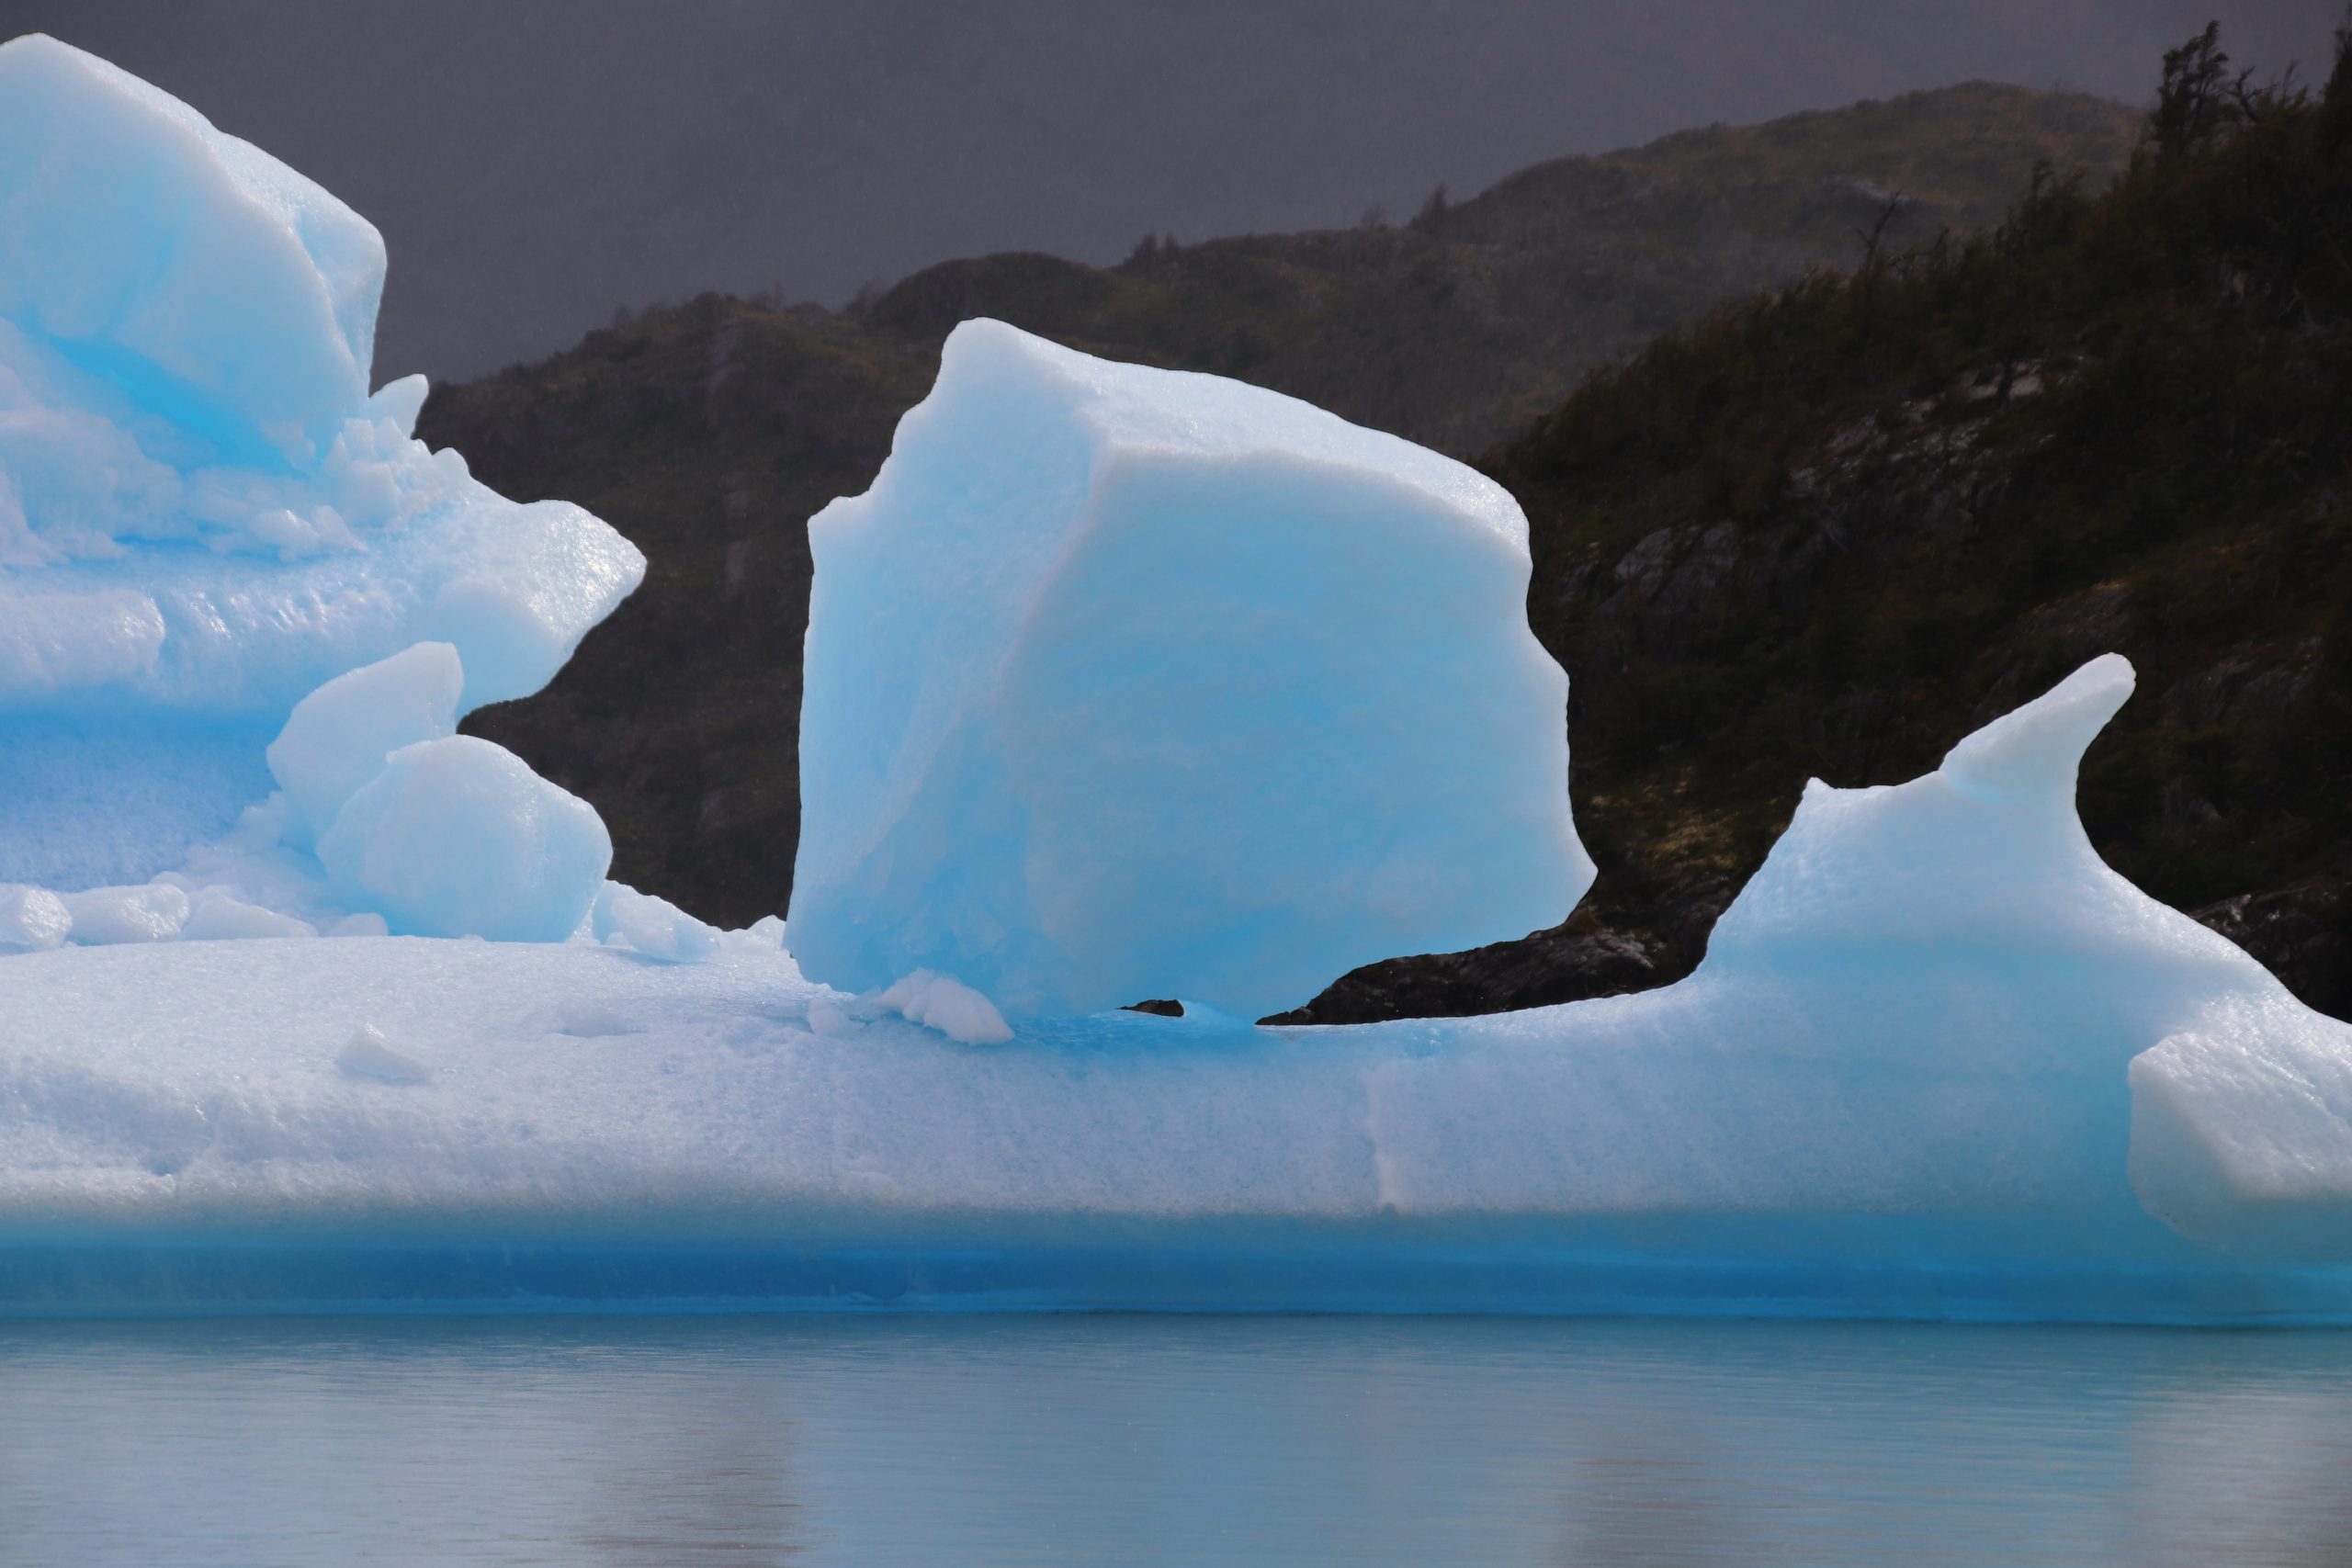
204	514
1124	683
1092	718
1940	1061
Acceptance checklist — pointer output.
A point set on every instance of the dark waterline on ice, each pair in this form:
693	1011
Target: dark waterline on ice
1095	1439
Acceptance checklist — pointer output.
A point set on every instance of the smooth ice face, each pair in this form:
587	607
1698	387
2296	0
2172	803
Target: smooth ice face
459	837
236	299
204	515
1125	683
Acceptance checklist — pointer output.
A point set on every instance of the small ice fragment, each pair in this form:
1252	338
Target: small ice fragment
32	918
457	836
946	1004
338	737
401	401
370	1055
219	917
103	916
763	935
654	927
365	923
831	1021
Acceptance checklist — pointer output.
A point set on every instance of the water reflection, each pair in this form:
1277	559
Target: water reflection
1084	1440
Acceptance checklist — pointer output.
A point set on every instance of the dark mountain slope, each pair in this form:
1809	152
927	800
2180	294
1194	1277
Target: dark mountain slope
709	433
1463	326
1835	528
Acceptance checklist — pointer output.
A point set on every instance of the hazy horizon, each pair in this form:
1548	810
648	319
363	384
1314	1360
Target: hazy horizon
535	165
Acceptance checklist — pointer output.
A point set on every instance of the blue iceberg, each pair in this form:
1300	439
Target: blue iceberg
1940	1060
204	512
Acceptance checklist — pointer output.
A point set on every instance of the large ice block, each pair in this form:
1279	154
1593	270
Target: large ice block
204	515
1125	683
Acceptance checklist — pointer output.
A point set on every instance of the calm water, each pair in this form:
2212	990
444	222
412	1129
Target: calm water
1110	1440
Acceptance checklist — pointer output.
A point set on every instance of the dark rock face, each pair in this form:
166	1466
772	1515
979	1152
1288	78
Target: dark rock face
1566	963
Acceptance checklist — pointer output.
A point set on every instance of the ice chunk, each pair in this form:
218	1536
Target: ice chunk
105	915
32	918
370	1055
1125	683
2242	1132
946	1004
228	291
364	923
203	514
217	915
763	935
459	837
401	401
1985	855
654	927
516	605
828	1019
338	737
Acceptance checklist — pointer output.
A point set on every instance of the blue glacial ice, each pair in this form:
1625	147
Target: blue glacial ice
204	512
1939	1061
1125	683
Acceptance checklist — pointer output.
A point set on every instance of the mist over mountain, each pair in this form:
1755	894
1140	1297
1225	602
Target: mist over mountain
535	165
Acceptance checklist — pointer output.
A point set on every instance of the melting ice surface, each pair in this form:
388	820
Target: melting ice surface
1940	1060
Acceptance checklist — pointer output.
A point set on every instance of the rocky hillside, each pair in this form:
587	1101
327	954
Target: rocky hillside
709	432
1837	527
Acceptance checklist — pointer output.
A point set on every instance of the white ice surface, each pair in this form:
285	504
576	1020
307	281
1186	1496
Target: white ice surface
1125	683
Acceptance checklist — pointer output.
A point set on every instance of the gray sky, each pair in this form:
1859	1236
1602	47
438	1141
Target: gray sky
534	163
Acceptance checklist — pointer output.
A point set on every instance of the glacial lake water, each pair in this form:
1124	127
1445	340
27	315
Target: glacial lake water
1096	1440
